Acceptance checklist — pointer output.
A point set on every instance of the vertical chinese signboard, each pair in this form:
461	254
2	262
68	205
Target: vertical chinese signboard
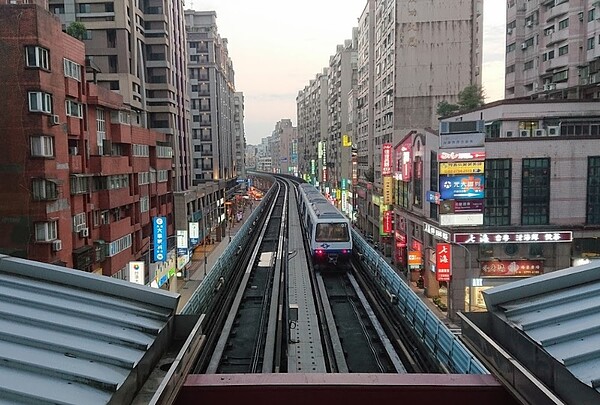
159	237
443	254
386	160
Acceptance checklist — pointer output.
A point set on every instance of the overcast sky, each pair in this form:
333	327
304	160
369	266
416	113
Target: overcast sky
278	46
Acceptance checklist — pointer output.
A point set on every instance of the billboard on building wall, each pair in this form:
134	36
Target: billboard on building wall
386	159
159	238
462	187
512	268
136	272
388	220
462	167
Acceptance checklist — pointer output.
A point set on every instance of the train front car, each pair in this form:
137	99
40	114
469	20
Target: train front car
330	237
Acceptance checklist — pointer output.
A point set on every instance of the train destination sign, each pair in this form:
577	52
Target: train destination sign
513	237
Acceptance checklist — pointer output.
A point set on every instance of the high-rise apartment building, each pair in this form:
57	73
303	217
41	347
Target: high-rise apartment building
552	49
311	104
283	142
412	55
239	133
138	48
81	178
212	94
341	81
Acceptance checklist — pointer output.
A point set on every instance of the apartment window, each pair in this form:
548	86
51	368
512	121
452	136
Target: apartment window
42	146
46	231
44	189
79	222
143	178
535	191
560	76
162	176
528	65
563	50
164	152
591	43
141	150
593	191
119	245
510	69
591	15
104	217
548	55
40	102
402	195
72	69
85	8
79	184
74	109
498	177
144	204
37	57
563	24
510	47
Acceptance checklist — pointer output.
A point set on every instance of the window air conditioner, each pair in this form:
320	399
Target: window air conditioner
529	23
73	150
56	245
553	131
549	86
523	45
540	132
508	134
85	232
524	133
54	119
509	31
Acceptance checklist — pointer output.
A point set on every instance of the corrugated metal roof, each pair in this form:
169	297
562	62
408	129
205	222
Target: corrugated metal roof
560	311
67	336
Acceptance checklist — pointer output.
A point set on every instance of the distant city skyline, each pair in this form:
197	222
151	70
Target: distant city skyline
278	47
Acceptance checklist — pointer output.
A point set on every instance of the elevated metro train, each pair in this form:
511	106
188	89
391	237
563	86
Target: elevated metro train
327	230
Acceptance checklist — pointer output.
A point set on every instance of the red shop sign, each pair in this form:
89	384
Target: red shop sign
443	265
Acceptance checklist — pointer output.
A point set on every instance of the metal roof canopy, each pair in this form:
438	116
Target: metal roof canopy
551	325
68	336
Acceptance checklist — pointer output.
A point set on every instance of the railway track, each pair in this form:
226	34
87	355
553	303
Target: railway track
254	325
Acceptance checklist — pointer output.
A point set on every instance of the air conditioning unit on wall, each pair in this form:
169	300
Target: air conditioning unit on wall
54	119
540	132
523	133
553	131
85	232
56	245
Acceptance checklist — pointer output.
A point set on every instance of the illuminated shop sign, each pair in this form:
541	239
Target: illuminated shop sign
512	268
388	190
463	155
461	187
159	238
462	167
386	159
443	261
513	237
388	220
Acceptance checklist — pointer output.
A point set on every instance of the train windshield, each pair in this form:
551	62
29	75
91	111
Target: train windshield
332	233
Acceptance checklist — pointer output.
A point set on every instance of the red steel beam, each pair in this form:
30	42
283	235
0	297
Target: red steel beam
347	389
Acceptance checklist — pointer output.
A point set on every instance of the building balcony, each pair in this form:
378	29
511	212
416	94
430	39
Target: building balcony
75	163
72	88
107	165
108	199
557	11
74	126
555	37
115	230
120	133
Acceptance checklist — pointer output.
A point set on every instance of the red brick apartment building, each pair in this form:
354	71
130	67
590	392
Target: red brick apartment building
79	182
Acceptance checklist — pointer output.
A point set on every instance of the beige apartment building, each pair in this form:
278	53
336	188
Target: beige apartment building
412	55
552	49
